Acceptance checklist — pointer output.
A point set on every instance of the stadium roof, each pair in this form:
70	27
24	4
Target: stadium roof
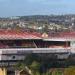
62	36
12	35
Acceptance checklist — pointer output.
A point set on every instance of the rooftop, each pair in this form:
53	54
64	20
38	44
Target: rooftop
62	36
13	34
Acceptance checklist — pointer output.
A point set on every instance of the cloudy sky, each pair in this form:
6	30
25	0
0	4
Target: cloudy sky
36	7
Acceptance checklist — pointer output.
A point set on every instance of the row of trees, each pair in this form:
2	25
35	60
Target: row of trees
36	65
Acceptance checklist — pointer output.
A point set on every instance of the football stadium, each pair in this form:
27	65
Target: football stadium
15	45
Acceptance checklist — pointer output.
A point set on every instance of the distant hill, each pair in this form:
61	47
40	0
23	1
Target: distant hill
58	19
65	20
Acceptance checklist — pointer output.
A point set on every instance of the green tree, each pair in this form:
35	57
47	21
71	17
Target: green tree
30	63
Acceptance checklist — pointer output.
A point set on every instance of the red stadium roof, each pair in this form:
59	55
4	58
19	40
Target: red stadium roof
12	34
62	36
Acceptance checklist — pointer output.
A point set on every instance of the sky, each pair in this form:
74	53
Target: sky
36	7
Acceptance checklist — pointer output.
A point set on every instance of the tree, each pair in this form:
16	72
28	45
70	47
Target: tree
30	64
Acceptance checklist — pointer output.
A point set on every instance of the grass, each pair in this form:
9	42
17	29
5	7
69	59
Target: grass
63	71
